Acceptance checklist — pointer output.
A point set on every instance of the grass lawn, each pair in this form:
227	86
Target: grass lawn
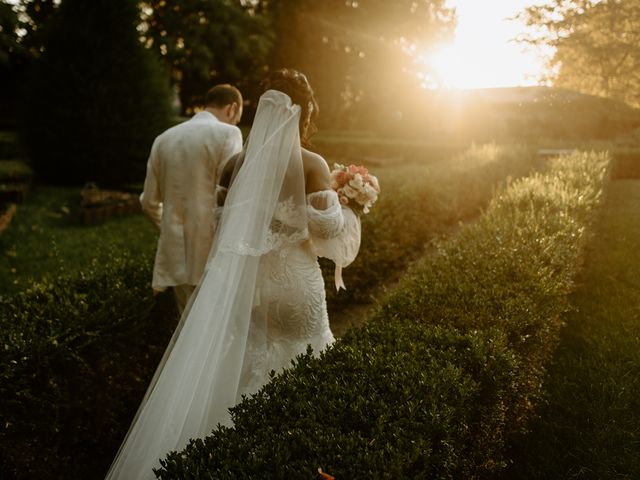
46	237
590	428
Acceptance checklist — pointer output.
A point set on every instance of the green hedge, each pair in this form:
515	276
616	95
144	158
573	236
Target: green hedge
75	358
433	385
626	163
15	171
100	309
10	146
419	203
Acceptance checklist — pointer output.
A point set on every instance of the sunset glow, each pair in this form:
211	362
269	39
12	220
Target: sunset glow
482	54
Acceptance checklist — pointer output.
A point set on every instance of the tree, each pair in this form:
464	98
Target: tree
13	63
97	97
9	45
204	42
22	28
357	54
596	45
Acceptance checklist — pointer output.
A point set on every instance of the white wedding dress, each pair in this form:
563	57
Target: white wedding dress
260	302
291	289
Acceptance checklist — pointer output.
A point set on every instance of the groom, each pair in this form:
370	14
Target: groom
179	189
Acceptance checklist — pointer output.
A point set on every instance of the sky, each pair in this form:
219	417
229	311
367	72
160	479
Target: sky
482	54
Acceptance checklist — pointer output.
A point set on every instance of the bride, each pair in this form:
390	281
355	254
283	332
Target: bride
261	299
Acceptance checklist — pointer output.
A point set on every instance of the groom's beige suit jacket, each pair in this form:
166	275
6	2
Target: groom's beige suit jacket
179	194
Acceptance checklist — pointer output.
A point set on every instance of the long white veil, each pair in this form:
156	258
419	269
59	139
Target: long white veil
207	363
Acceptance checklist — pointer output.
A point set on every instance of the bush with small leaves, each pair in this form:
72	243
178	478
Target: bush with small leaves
74	368
448	368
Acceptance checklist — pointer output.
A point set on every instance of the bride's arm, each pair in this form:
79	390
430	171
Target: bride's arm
334	228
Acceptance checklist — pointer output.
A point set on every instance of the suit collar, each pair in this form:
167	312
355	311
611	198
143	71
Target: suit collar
206	116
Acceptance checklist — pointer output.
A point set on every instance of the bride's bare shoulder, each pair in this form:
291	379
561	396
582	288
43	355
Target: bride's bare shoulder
316	171
314	161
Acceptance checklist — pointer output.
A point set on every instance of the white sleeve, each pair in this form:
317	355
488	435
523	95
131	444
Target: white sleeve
151	197
335	230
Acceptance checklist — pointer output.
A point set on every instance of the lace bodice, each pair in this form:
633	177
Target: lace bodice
291	312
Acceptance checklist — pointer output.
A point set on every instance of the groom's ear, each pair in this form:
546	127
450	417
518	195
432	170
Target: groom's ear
235	112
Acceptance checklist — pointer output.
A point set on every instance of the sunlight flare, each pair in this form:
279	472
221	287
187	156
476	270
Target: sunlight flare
483	53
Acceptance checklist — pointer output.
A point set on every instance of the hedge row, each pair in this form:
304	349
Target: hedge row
434	383
77	352
76	355
626	163
420	202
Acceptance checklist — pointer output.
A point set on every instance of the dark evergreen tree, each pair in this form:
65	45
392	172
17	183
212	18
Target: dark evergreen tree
13	65
97	97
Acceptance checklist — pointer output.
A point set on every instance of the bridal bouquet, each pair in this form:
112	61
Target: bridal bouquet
355	187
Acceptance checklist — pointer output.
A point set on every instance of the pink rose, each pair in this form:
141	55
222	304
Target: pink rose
353	169
342	177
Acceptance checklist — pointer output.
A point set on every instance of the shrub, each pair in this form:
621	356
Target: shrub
392	401
627	163
418	203
64	344
97	97
450	365
10	147
15	171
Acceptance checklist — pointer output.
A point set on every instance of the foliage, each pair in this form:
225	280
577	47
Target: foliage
432	386
47	239
12	57
22	27
627	163
597	45
65	343
204	42
355	53
589	424
97	97
34	18
8	36
418	203
15	171
10	147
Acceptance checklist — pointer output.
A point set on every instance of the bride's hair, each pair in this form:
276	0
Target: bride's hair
296	85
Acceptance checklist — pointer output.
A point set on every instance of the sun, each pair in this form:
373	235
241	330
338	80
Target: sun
482	53
450	67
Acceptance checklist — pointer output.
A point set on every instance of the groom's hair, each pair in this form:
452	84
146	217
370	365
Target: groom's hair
223	95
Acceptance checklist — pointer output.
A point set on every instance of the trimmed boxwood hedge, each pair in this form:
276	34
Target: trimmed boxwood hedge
417	204
76	352
75	358
626	163
448	368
